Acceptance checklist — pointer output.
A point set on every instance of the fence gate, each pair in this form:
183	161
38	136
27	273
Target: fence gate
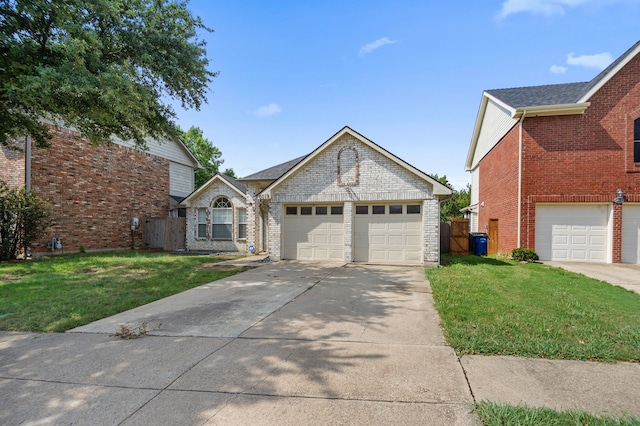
167	233
459	237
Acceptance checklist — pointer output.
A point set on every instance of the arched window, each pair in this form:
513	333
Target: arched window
636	140
221	219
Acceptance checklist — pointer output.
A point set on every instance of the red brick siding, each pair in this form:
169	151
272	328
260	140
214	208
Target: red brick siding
95	191
499	190
12	165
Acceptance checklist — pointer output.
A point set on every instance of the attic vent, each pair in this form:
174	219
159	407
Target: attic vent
348	167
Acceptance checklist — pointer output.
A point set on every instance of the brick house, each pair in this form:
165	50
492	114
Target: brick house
95	191
349	200
556	168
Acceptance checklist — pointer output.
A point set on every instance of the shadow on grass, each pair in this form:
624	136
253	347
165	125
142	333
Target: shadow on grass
474	260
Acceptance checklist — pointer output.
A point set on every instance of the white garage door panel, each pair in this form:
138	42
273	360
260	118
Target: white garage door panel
572	232
313	237
388	238
631	233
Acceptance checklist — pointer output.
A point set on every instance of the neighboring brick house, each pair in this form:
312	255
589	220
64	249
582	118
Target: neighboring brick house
556	168
348	201
95	191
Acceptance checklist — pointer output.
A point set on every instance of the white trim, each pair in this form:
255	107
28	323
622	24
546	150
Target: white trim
605	79
206	185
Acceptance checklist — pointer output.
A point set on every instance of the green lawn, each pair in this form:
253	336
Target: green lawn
63	292
496	306
493	414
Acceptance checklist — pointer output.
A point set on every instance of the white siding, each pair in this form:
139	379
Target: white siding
496	123
180	179
171	150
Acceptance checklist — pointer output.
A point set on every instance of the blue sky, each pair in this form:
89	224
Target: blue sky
408	75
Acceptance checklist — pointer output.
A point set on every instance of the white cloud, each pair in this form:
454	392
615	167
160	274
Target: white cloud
267	110
599	60
543	7
368	48
558	69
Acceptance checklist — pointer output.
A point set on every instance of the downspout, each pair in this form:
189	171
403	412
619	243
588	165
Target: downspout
27	164
519	242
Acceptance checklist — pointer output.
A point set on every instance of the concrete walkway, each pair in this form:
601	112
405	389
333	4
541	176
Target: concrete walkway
288	343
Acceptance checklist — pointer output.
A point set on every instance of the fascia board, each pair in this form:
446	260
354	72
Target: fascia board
551	110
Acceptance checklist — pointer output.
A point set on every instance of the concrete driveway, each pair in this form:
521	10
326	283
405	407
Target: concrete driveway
286	343
620	274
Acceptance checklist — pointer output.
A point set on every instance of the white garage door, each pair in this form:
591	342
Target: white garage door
631	233
388	234
572	232
313	233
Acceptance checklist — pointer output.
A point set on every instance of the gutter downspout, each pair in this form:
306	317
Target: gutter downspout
524	113
27	164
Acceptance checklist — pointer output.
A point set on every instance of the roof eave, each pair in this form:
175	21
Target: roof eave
550	110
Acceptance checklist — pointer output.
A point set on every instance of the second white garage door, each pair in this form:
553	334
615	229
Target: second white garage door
388	234
576	232
313	233
631	233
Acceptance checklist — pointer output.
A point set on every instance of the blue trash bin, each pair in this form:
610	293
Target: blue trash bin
480	244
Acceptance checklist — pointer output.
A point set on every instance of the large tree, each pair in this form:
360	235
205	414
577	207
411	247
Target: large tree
207	155
104	67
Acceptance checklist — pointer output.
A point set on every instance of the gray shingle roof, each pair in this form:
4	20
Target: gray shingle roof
241	186
553	94
273	173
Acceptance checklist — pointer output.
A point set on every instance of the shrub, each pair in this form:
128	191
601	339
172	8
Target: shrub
23	219
524	255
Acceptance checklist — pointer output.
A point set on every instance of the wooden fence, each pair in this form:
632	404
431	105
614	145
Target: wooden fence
459	241
167	233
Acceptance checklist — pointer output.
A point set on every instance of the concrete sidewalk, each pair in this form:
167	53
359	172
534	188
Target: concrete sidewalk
288	343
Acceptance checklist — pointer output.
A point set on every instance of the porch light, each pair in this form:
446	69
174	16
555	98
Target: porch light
620	198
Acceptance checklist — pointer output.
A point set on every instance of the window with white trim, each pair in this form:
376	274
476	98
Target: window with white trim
222	219
636	140
202	223
242	224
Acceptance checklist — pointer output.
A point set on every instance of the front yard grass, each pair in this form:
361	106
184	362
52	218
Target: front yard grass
59	293
503	414
495	306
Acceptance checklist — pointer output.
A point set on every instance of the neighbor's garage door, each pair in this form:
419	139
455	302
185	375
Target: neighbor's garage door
572	232
388	233
631	233
313	233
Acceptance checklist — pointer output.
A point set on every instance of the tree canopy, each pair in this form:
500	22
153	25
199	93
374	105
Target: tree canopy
207	155
459	200
102	67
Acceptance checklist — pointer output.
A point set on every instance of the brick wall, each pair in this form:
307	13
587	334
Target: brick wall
95	191
499	190
12	165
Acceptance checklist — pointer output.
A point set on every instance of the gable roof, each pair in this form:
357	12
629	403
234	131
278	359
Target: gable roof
232	183
545	100
273	173
438	188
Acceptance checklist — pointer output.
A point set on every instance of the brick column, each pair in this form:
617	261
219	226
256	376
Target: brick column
616	250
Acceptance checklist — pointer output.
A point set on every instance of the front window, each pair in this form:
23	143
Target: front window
222	219
242	223
202	223
636	140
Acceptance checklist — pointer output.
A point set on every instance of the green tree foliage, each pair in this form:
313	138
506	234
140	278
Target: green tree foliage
459	200
102	67
208	155
23	219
